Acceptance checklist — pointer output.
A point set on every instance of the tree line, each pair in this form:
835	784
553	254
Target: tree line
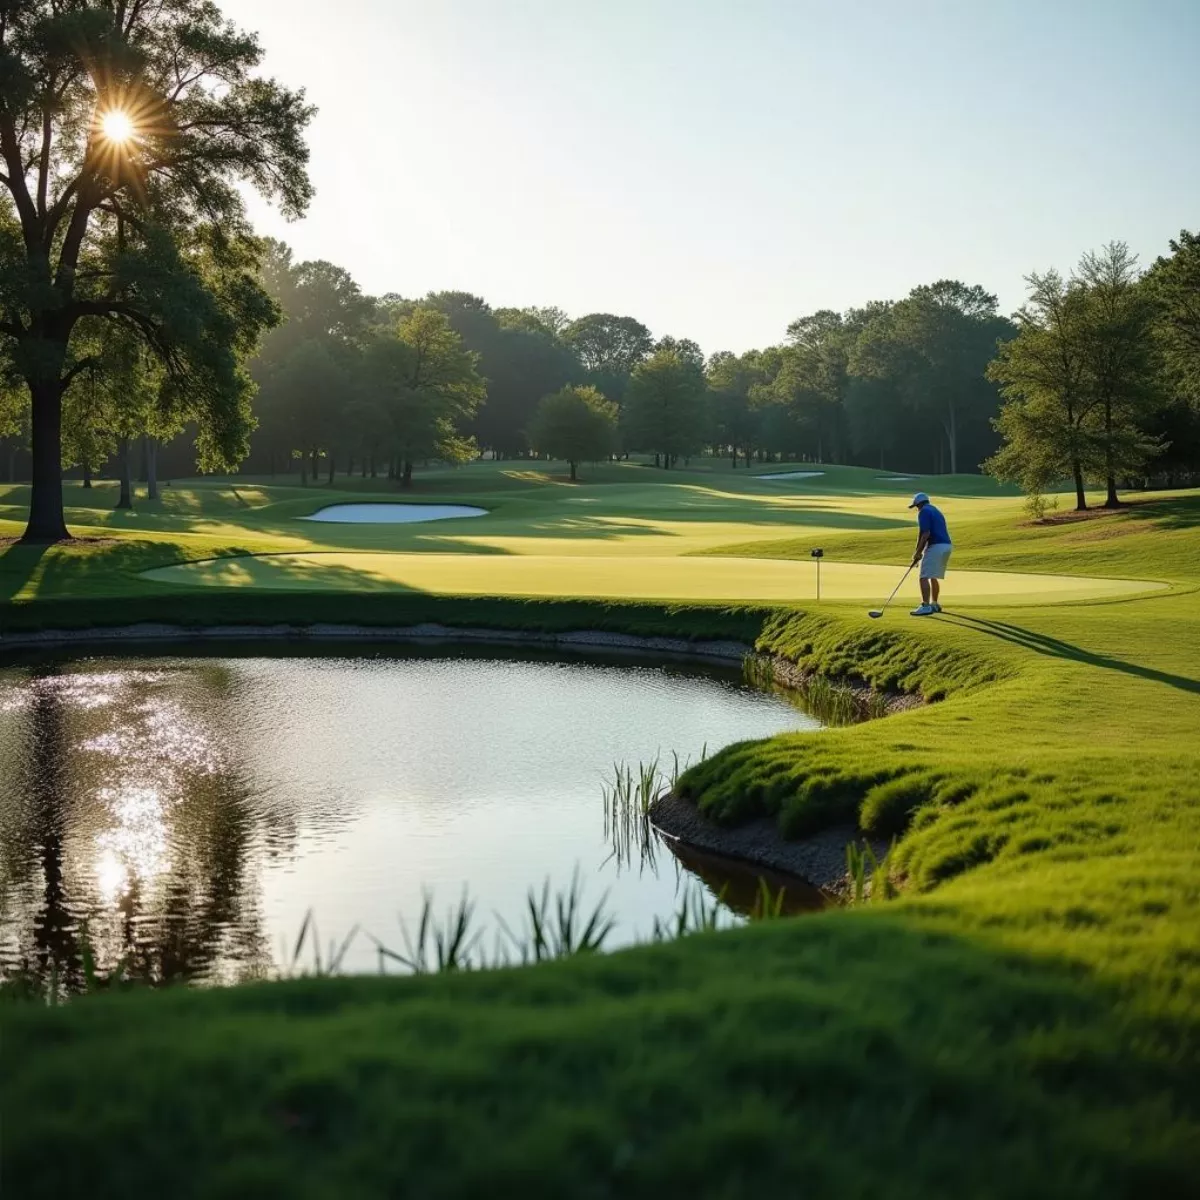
900	385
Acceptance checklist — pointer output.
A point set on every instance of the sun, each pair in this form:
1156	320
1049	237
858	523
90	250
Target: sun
117	126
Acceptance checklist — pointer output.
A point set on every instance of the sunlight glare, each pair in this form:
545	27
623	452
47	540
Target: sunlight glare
117	126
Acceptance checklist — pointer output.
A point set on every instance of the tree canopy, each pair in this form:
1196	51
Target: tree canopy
125	130
576	424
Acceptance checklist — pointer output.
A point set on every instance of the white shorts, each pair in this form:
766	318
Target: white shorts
934	560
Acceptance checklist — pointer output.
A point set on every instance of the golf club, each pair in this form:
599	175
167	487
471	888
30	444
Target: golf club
878	612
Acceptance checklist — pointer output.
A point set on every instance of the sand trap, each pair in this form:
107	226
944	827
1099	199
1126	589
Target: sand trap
895	478
624	577
793	475
393	514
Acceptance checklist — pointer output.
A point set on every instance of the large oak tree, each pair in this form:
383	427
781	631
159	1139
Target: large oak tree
125	129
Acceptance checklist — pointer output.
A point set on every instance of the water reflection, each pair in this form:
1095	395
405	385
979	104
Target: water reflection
182	814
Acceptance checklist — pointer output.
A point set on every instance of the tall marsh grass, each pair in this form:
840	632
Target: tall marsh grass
832	703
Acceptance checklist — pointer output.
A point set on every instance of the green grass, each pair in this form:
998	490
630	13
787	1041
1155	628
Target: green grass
1022	1021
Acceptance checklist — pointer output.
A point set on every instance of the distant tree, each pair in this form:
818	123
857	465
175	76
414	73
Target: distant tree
144	232
1174	284
14	420
428	385
935	346
322	307
739	400
609	347
88	440
1048	401
688	350
665	411
313	388
576	424
550	320
1123	371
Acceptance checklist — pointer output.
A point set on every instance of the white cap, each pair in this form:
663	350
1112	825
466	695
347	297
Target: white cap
919	498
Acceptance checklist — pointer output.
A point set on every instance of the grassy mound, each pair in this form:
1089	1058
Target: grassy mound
1024	1021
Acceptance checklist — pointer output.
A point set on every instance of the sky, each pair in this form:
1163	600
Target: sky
717	168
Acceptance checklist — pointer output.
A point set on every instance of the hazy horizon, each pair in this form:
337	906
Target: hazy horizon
717	170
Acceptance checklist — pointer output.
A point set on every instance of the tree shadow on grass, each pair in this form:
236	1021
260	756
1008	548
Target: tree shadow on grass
1183	513
1039	643
18	564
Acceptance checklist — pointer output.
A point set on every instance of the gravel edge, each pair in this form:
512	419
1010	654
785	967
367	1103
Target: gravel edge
819	860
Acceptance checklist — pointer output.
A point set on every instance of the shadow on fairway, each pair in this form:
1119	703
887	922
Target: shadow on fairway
1056	648
18	564
1183	513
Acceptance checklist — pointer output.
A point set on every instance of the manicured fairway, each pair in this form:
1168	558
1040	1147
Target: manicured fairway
709	578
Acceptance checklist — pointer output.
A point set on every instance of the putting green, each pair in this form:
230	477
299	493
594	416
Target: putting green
643	578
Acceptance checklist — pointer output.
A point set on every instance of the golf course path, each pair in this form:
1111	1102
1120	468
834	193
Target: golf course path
709	578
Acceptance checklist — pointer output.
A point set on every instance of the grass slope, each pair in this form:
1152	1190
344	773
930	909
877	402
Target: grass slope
1023	1022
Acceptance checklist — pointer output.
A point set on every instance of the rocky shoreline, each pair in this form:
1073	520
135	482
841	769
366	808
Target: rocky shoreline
819	860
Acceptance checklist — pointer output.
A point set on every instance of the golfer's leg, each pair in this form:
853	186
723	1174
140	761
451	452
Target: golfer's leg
935	588
924	590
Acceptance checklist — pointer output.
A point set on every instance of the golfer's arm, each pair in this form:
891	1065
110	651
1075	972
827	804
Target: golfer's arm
922	542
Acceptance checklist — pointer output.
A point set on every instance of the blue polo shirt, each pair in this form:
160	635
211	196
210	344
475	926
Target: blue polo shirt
931	521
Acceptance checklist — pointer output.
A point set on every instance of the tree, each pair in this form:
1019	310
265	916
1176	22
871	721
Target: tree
739	396
549	321
609	347
125	128
1043	377
322	306
665	411
1123	373
935	346
576	424
1174	285
314	388
428	385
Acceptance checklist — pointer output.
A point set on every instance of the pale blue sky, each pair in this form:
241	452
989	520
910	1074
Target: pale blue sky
718	167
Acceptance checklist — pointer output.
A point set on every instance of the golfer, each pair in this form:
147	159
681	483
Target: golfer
932	552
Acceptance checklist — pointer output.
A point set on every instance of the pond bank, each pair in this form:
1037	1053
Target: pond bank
819	860
152	632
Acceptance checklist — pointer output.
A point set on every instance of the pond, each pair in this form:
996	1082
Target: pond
193	809
393	514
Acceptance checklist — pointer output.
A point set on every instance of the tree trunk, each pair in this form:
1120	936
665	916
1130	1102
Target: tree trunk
952	439
572	472
46	523
406	477
151	451
747	458
657	459
1111	500
332	460
364	466
735	458
316	467
304	470
1080	495
374	469
144	474
126	497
